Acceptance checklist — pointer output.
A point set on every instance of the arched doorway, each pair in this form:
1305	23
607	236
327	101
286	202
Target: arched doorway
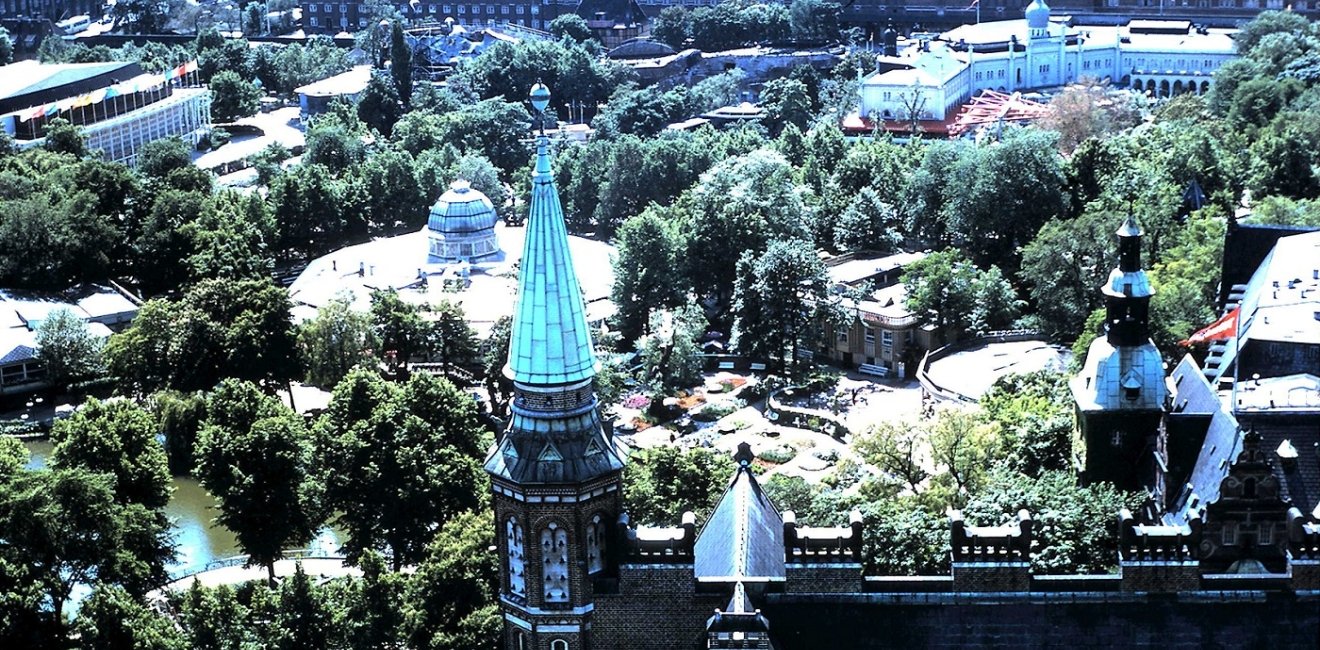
1178	87
1164	88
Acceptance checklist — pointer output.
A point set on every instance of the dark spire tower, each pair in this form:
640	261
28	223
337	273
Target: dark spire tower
555	474
1120	392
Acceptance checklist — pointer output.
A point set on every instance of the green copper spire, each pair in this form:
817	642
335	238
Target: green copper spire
551	341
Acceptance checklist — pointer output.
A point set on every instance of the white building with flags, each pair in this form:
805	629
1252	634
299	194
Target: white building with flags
927	77
119	107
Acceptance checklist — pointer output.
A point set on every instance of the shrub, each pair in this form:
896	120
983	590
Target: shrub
777	455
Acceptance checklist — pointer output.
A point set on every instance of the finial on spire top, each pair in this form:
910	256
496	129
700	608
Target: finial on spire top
540	97
1130	227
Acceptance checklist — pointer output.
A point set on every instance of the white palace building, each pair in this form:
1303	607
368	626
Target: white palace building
1160	57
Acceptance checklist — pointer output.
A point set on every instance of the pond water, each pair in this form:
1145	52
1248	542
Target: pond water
197	540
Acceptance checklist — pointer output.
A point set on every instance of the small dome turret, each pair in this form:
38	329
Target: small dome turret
1038	17
462	225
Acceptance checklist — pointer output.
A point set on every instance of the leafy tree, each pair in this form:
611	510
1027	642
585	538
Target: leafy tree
508	71
493	128
111	619
160	157
393	468
63	137
999	196
741	204
379	106
900	537
1264	24
897	449
673	26
53	239
180	417
661	483
482	175
374	618
671	358
786	101
778	296
335	140
304	619
393	200
868	224
68	350
233	96
262	479
1066	264
116	438
211	618
948	290
64	528
6	47
451	599
1065	515
1186	281
814	20
219	328
1287	212
232	238
640	111
1035	421
401	63
164	244
572	27
962	444
493	359
925	199
337	340
646	271
399	326
451	340
13	457
309	213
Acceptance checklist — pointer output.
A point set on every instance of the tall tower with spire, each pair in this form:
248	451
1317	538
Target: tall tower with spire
1120	392
555	473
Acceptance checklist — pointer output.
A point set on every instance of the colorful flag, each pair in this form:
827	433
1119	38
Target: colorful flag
1222	329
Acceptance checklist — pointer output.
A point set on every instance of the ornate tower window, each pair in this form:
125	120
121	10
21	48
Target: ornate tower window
596	544
513	533
554	555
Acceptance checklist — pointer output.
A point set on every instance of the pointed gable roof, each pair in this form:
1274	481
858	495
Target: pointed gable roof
744	537
551	342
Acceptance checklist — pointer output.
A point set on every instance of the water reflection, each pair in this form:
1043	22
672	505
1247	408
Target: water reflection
198	541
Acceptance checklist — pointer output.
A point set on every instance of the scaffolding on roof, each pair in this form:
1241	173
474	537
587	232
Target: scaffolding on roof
991	107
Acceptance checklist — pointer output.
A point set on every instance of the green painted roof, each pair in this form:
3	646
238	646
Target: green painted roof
551	342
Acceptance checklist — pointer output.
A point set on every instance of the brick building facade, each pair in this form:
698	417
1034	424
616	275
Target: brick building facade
1241	569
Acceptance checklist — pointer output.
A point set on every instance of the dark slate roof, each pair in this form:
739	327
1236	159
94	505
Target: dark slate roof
18	354
1245	247
554	450
1197	410
744	537
1301	479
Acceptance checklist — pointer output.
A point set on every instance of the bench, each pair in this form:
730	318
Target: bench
726	365
758	367
873	369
